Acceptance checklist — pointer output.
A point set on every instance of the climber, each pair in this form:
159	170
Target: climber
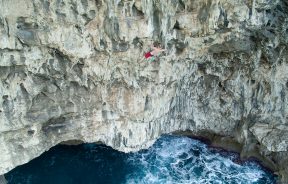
155	51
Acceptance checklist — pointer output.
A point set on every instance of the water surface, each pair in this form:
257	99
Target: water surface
172	159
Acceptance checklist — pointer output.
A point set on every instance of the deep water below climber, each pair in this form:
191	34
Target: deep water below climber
172	159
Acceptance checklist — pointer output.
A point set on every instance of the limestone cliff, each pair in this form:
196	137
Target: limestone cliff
71	70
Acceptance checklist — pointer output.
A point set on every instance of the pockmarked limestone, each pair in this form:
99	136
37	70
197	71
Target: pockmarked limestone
71	70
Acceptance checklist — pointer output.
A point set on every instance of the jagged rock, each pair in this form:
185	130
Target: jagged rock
2	180
71	70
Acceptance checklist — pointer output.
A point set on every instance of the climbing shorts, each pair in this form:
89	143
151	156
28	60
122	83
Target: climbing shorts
148	54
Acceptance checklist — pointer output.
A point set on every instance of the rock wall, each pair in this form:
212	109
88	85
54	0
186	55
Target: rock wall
72	70
2	180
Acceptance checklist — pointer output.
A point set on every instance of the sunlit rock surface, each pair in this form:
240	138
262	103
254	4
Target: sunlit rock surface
71	70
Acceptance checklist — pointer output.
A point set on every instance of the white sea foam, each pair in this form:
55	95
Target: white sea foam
175	159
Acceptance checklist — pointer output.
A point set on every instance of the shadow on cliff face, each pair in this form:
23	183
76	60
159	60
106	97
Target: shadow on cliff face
245	45
27	31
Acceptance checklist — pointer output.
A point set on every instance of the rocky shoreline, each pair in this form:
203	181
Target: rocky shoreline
230	144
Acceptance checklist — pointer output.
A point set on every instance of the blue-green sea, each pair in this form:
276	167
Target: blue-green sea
172	159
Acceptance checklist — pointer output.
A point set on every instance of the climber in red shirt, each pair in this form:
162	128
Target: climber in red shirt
155	51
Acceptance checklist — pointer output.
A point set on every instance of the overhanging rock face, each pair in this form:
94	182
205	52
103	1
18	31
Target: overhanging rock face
72	70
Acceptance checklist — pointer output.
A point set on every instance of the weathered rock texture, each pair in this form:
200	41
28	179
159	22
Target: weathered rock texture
2	180
70	70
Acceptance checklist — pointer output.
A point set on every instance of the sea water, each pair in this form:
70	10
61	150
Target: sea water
172	159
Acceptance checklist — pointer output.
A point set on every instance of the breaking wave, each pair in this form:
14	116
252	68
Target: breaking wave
172	159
